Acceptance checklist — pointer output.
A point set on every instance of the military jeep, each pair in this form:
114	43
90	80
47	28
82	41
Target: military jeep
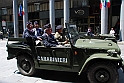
99	58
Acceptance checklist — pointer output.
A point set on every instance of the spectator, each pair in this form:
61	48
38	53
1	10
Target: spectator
112	32
89	32
1	35
8	33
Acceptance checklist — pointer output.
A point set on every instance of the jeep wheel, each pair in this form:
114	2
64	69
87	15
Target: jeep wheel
103	73
25	65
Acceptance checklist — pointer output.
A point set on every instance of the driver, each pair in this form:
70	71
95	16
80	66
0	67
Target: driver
59	35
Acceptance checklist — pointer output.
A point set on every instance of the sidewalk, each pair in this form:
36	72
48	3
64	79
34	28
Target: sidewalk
120	42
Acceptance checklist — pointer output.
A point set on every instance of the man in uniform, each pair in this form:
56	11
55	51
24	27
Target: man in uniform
38	31
59	35
48	38
29	32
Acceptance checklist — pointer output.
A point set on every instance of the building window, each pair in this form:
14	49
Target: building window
6	17
59	5
4	11
30	8
79	3
62	5
116	2
37	6
75	3
44	6
9	11
84	2
41	7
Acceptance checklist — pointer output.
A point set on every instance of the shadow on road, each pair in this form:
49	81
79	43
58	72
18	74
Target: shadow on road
61	76
121	76
67	76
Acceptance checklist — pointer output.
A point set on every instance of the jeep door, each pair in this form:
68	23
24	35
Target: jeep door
54	57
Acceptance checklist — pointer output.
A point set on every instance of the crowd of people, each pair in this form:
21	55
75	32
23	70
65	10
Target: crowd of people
45	34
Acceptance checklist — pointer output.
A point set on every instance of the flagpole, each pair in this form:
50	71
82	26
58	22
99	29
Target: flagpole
121	38
15	16
104	17
25	15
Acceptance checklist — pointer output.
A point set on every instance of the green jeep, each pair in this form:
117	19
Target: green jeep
99	58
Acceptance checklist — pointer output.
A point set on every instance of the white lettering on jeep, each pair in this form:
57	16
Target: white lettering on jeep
52	59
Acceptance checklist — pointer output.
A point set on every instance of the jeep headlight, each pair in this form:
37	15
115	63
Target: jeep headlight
112	53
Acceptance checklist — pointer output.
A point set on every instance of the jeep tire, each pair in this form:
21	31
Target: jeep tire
102	72
25	65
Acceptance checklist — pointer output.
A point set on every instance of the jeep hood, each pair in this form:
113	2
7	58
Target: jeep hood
97	44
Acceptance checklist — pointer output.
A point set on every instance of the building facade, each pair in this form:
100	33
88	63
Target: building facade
85	13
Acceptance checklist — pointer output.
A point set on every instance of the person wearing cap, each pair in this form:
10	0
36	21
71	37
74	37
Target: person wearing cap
48	38
59	35
29	32
38	31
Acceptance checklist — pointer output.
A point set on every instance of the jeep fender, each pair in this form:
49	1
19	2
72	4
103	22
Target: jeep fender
28	52
103	56
11	56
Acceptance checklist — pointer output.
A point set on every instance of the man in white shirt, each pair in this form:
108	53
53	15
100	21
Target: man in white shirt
112	32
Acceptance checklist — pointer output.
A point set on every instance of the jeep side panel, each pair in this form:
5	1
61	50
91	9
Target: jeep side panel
55	58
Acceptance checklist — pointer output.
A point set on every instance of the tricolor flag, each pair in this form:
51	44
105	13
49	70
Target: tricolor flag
21	12
108	4
105	3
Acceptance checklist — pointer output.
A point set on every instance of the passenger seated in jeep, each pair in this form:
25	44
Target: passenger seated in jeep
59	36
48	38
29	32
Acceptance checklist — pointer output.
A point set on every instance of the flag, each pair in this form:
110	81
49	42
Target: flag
100	5
21	12
105	3
108	4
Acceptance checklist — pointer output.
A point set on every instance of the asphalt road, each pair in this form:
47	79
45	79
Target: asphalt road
10	74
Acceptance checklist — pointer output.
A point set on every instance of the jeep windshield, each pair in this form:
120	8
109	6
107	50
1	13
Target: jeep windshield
72	32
